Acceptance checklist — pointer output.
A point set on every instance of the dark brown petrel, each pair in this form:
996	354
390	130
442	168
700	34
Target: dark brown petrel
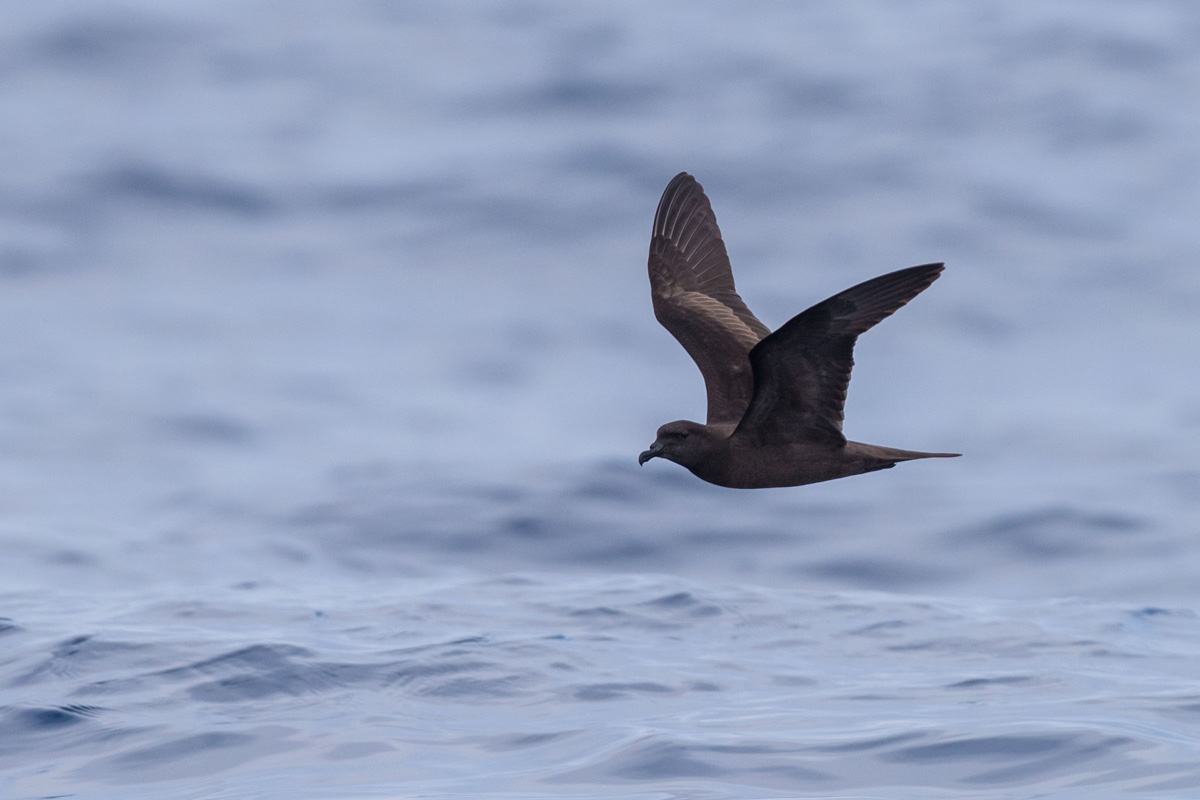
775	400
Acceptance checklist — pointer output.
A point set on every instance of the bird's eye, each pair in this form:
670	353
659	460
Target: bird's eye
683	434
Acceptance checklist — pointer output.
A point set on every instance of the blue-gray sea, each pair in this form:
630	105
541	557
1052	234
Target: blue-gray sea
326	354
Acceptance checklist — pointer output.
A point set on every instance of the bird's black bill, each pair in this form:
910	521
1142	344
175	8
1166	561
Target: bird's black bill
646	455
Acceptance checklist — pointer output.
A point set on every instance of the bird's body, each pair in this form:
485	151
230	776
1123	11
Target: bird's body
737	466
775	400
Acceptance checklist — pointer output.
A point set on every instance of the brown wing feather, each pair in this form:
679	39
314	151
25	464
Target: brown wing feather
695	299
801	371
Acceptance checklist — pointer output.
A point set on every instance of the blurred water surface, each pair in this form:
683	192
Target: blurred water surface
326	353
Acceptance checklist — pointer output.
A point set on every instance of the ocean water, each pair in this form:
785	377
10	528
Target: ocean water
326	354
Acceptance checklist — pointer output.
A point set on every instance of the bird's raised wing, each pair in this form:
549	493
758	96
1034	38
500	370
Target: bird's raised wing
801	371
695	299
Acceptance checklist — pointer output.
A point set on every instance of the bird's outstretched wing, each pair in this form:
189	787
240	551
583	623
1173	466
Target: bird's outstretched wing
801	371
695	299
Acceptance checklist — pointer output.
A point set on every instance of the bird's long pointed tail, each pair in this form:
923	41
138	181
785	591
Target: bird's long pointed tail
895	454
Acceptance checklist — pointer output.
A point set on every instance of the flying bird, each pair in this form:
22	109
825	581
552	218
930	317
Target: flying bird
775	400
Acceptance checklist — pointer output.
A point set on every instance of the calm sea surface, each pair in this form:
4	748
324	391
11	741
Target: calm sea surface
326	354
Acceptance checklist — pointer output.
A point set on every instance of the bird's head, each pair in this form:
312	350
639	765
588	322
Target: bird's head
686	443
